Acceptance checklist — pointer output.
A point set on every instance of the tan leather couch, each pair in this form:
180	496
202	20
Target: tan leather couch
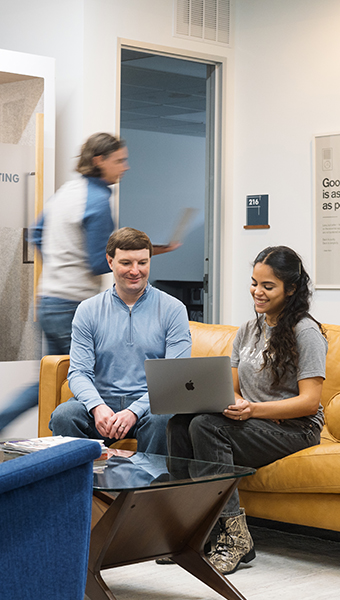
303	488
53	390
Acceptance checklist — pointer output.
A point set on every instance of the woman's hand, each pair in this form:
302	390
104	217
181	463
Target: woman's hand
240	411
303	405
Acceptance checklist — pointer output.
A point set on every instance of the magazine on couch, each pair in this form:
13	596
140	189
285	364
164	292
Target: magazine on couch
35	444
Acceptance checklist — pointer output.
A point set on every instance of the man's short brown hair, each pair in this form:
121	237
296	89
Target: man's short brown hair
98	144
128	238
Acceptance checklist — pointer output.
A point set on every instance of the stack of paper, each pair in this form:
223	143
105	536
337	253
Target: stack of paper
34	444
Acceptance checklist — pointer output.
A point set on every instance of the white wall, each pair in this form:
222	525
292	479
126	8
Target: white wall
108	22
287	88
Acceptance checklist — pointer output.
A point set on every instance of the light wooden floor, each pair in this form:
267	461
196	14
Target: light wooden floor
287	567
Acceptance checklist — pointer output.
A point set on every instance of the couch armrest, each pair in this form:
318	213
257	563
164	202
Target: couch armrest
53	390
332	416
53	372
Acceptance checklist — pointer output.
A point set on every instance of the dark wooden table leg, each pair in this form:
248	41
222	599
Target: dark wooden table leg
96	587
147	524
199	566
107	515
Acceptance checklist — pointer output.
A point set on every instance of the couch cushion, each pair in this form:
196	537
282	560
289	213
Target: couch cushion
212	340
313	470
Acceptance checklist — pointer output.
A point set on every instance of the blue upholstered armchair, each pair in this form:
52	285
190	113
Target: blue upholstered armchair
45	522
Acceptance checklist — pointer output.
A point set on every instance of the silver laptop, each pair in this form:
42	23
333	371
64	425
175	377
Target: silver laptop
189	385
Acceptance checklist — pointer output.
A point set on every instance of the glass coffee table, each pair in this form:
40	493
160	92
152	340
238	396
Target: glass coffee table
148	506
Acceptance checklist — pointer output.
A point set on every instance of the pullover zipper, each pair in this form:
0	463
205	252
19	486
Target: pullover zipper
130	337
130	326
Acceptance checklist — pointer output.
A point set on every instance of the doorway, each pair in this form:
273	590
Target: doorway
167	118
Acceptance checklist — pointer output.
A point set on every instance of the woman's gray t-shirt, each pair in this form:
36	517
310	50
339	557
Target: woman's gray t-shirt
256	384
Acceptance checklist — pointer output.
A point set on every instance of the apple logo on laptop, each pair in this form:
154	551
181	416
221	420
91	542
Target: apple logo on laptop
190	385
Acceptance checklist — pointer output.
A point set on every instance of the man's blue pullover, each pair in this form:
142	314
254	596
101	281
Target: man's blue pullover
110	343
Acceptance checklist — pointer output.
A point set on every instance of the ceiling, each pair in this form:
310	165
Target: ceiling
163	94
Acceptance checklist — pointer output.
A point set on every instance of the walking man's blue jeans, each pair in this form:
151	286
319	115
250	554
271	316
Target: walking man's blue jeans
55	317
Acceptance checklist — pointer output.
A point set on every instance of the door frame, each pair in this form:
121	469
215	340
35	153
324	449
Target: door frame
214	183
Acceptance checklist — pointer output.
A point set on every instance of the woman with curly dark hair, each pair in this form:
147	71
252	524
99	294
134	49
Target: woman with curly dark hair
278	363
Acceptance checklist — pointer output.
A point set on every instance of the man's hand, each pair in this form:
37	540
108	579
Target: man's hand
113	425
121	423
102	415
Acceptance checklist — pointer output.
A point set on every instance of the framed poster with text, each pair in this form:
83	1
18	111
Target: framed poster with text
327	211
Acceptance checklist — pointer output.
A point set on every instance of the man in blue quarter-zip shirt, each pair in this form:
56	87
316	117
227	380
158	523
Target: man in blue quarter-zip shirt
112	334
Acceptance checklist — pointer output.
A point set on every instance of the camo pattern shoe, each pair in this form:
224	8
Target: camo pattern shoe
234	544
